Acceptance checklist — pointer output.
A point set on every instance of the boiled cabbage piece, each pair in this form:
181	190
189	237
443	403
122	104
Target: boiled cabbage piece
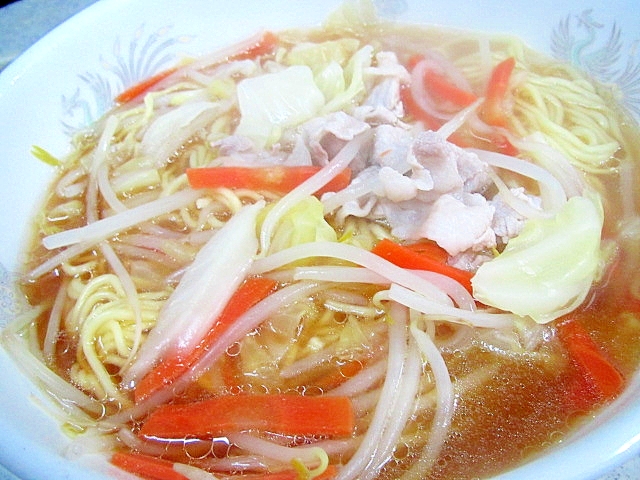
549	268
272	102
303	223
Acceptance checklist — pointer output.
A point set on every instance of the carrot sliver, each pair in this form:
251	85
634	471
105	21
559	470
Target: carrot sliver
253	290
428	248
600	377
265	45
406	258
492	141
163	375
146	466
414	110
440	86
279	179
413	61
279	413
144	86
492	111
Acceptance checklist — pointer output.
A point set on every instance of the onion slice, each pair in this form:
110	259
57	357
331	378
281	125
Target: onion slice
208	283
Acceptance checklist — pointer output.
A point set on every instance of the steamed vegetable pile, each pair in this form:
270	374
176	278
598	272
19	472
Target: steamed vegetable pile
289	259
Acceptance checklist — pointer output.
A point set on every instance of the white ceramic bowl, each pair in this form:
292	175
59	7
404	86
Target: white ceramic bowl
68	78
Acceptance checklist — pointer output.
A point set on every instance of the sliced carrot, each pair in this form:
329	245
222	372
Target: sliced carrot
264	46
465	139
492	111
492	141
144	86
279	179
428	248
416	112
253	290
278	413
146	466
406	258
442	89
414	60
599	379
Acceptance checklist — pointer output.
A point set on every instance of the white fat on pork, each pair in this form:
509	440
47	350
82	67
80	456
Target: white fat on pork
507	223
326	135
404	218
452	168
460	224
391	147
238	150
426	187
383	106
387	66
396	186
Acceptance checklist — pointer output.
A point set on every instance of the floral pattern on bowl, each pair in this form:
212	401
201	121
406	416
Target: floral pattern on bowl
128	63
600	51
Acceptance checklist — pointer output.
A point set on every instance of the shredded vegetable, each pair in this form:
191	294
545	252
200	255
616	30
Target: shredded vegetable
549	268
220	267
280	414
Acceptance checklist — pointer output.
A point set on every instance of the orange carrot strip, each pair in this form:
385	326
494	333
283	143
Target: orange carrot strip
492	141
414	60
429	249
146	466
492	111
443	89
278	413
406	258
414	110
279	179
144	86
253	290
601	379
265	45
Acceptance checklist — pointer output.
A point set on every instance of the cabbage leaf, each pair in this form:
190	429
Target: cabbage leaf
272	102
350	81
327	60
303	223
338	68
318	56
170	130
352	14
549	268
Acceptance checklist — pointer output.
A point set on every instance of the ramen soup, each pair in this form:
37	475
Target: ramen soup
361	251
